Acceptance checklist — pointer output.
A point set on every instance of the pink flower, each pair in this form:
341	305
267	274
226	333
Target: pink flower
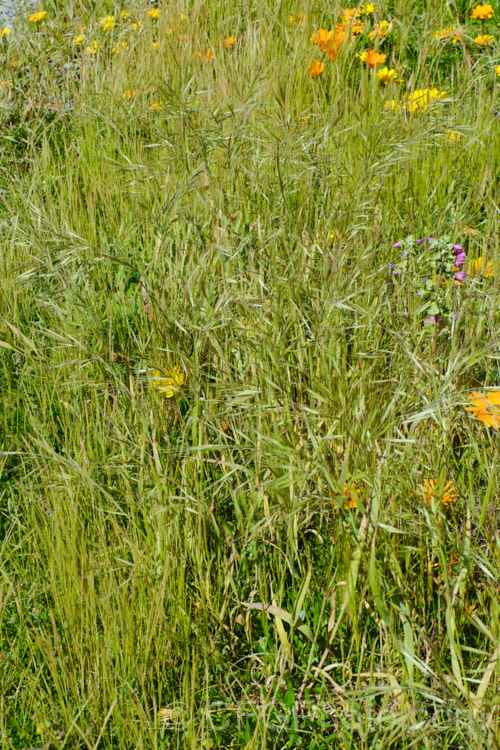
459	253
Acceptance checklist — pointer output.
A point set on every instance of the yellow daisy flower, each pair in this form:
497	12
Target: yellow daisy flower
387	75
382	28
484	39
37	17
107	23
168	380
482	12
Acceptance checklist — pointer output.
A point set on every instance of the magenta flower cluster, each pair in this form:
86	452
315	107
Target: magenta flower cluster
460	274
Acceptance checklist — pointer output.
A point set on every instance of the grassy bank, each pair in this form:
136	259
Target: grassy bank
249	288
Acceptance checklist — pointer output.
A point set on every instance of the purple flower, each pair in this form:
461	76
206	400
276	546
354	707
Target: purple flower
405	254
396	272
430	240
425	281
455	317
420	242
460	276
430	320
459	255
397	244
390	265
404	315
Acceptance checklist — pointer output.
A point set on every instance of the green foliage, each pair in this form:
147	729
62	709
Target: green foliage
294	542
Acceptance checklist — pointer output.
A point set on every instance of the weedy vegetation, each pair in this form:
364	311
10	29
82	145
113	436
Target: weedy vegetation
250	375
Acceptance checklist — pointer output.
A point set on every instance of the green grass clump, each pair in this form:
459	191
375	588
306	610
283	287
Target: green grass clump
248	498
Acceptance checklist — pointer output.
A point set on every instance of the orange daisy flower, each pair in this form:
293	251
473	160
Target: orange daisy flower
372	57
431	491
351	493
322	38
486	408
316	68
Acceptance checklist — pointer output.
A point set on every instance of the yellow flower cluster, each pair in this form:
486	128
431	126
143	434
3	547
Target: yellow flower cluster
363	10
418	100
107	23
484	39
479	268
37	17
446	35
168	380
117	48
382	28
482	12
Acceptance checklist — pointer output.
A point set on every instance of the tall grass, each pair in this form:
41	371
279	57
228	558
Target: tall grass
184	572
